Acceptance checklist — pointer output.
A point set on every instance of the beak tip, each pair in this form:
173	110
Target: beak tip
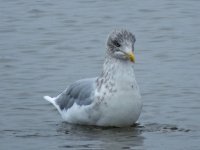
131	57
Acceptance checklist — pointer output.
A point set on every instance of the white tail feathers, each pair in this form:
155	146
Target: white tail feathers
49	99
53	101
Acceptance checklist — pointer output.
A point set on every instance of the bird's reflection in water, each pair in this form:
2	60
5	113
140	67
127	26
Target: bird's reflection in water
93	137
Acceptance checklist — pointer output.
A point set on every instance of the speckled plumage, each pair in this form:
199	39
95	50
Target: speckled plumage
111	99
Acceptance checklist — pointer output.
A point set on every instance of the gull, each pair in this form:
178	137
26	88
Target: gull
111	99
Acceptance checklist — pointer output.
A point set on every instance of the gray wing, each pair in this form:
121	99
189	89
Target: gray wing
81	92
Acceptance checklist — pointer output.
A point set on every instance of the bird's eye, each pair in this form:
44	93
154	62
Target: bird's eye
116	43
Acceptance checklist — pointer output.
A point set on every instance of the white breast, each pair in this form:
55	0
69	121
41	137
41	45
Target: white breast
123	106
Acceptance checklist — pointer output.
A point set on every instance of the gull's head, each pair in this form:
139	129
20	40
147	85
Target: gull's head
120	45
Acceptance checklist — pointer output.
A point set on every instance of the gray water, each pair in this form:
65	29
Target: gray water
46	45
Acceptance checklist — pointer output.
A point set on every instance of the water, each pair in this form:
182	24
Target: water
45	45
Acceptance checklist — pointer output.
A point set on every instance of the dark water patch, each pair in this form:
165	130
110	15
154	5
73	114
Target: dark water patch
147	10
35	11
26	133
7	59
166	28
11	131
8	30
35	135
81	146
155	127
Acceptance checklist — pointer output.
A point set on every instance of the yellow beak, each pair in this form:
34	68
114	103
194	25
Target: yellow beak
131	56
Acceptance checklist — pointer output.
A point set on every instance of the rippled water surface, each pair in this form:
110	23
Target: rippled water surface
46	45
